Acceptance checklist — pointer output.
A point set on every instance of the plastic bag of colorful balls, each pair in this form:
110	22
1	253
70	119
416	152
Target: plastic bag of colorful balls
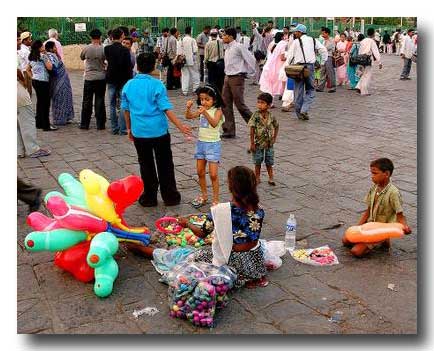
197	289
178	236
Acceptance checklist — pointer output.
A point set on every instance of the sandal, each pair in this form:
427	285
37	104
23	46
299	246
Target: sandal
40	153
199	202
271	182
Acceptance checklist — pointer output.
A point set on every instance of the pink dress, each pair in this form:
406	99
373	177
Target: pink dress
270	82
341	71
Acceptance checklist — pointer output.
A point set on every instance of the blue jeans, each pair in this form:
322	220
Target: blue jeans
117	122
303	99
406	68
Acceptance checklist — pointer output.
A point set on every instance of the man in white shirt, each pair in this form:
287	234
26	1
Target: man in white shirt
304	90
407	51
187	46
23	54
245	40
368	47
239	63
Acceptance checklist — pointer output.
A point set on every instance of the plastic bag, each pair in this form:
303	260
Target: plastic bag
165	260
272	251
196	289
321	256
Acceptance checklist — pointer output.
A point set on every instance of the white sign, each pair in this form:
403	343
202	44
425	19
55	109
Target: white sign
80	27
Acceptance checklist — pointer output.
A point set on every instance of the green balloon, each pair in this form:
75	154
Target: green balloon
105	276
102	248
54	240
73	189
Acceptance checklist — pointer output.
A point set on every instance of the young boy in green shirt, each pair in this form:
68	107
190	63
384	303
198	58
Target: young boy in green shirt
384	205
263	133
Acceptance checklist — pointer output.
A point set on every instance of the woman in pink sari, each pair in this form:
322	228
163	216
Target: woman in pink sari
341	71
269	81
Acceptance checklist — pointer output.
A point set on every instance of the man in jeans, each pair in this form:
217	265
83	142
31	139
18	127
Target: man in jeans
94	82
239	63
407	51
119	71
304	54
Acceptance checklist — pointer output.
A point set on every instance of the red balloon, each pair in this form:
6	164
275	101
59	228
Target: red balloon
73	260
41	222
124	192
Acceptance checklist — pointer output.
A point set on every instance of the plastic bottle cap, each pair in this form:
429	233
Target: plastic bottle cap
94	259
30	243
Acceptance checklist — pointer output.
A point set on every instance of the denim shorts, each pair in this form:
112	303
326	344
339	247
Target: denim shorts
210	151
263	154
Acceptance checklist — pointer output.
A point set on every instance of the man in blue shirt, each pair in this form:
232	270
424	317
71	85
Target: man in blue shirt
146	109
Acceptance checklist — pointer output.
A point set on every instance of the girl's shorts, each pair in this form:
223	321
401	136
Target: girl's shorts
209	151
261	155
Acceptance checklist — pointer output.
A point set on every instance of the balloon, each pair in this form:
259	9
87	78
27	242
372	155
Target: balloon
102	248
105	276
54	240
40	222
73	260
98	202
125	192
74	218
373	232
73	189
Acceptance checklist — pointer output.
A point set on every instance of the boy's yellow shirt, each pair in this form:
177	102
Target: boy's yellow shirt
389	204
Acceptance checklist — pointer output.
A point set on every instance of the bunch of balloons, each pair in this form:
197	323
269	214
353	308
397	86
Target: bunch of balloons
86	226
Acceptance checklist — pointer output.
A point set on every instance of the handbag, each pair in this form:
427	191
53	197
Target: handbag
298	71
362	60
337	59
220	63
165	61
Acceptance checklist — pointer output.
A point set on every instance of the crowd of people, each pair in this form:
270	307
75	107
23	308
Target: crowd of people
137	71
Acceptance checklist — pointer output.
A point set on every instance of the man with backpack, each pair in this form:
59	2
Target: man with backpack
302	51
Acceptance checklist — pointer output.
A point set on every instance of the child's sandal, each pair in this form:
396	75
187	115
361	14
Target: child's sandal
199	202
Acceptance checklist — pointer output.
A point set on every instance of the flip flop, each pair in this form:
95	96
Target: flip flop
199	201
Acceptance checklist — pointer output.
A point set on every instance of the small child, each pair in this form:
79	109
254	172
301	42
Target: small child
263	133
208	146
384	205
247	217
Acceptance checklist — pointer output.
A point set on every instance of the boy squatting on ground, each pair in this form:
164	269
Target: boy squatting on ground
384	205
263	133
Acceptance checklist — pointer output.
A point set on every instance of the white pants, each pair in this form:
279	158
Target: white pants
26	131
189	78
365	80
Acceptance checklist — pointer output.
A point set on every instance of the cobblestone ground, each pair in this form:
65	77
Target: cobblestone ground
322	175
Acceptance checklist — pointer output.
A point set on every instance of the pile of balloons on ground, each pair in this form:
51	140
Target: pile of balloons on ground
87	225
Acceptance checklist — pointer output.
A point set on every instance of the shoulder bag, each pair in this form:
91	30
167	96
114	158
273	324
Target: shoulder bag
362	60
299	71
165	61
337	59
180	60
220	63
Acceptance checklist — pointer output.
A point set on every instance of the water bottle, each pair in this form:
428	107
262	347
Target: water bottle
291	231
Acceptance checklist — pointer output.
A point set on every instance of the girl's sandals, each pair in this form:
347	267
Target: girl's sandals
199	201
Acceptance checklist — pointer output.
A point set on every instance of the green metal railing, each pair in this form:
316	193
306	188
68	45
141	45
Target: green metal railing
66	25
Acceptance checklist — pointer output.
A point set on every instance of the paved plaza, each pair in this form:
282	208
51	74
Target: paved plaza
322	175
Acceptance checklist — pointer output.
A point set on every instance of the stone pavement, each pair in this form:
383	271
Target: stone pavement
322	175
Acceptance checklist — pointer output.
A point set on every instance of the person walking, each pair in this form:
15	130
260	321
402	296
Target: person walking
368	47
94	82
302	51
214	60
407	51
187	48
327	70
239	63
201	40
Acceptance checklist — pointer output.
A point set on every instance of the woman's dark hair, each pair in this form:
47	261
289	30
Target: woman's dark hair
212	91
242	185
35	55
146	62
277	37
360	37
383	164
49	46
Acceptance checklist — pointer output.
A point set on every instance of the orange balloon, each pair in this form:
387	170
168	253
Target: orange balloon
374	232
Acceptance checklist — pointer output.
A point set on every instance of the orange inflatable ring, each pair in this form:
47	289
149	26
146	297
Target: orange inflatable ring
374	232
